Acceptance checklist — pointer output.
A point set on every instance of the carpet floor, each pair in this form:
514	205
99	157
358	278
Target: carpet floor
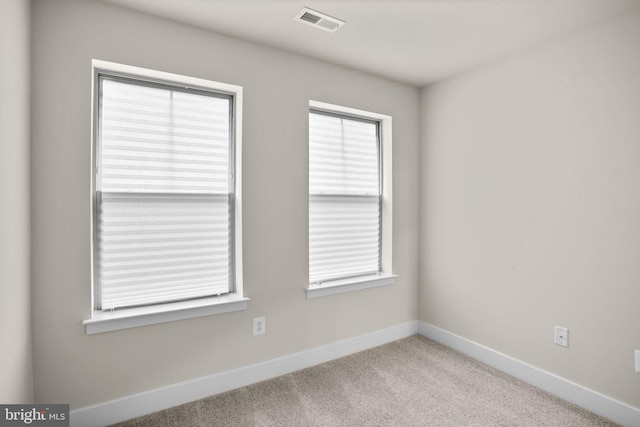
410	382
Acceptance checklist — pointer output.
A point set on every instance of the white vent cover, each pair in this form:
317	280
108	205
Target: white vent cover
318	20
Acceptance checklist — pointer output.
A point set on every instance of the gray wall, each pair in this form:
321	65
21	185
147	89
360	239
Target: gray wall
82	370
530	206
16	376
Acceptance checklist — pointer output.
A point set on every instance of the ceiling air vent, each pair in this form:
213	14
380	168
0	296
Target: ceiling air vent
318	20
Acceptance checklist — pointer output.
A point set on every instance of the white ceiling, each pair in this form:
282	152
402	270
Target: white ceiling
413	41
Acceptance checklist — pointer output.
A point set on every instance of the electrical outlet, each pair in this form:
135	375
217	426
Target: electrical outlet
637	360
561	336
259	326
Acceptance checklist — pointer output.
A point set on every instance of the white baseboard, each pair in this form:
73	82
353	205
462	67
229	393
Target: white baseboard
593	401
147	402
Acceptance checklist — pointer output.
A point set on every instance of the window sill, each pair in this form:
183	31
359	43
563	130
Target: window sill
349	285
106	321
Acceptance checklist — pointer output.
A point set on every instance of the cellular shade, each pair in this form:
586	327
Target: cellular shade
343	156
158	140
164	195
344	197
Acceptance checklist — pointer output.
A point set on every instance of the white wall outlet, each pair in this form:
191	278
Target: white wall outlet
561	336
259	326
637	360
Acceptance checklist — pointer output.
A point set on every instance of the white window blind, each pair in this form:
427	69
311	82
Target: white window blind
164	193
344	197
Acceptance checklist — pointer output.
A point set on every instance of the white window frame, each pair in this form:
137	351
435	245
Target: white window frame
104	321
385	276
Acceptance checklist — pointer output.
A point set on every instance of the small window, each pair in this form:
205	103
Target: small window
346	198
164	192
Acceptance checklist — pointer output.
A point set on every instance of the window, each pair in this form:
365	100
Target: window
347	201
164	194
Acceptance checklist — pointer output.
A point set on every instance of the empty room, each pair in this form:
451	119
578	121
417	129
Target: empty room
320	213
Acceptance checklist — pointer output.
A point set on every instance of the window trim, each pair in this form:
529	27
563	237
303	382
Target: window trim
340	286
385	276
102	321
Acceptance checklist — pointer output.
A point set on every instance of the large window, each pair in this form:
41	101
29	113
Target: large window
345	198
164	192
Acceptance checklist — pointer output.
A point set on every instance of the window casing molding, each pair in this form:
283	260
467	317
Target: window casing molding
102	321
385	276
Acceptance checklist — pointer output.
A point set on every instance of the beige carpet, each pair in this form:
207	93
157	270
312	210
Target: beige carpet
410	382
